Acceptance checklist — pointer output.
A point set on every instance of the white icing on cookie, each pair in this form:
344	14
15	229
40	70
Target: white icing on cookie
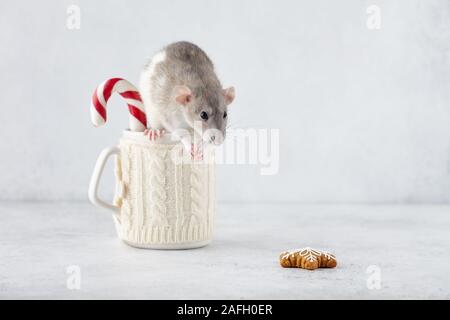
309	253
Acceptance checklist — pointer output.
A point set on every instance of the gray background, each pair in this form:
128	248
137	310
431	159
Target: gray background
363	114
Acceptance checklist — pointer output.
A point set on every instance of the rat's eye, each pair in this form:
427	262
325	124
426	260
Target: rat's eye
225	114
204	115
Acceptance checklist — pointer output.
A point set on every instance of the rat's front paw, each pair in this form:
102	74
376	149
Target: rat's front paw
154	134
197	152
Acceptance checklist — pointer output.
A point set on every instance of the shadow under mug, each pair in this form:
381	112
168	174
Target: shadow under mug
163	200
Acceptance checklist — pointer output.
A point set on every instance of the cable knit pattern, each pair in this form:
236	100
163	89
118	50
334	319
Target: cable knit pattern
196	190
158	188
162	203
119	185
124	161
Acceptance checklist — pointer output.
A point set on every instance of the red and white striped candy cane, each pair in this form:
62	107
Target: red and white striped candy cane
138	119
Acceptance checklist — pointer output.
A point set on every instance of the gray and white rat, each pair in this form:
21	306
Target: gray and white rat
181	93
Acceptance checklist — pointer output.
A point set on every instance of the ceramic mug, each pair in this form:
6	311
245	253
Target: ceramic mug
163	200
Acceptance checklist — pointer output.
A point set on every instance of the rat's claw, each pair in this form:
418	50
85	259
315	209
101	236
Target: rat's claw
159	133
154	134
196	152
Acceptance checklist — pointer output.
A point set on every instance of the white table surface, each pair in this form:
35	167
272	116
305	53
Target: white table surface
409	244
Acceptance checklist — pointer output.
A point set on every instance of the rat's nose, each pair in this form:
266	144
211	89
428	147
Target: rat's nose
213	138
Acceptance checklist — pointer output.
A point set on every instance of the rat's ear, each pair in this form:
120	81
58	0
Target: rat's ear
183	95
229	95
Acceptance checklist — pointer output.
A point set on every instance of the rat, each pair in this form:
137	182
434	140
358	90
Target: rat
183	95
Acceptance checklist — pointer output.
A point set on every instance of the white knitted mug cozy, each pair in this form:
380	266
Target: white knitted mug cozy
161	202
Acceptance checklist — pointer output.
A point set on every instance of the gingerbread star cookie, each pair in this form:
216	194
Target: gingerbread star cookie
307	258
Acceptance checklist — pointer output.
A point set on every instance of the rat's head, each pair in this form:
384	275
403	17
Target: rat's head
205	110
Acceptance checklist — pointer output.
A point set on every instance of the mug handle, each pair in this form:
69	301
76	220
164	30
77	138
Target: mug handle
95	179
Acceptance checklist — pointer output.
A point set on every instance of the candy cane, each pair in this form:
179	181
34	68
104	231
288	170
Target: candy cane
138	120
